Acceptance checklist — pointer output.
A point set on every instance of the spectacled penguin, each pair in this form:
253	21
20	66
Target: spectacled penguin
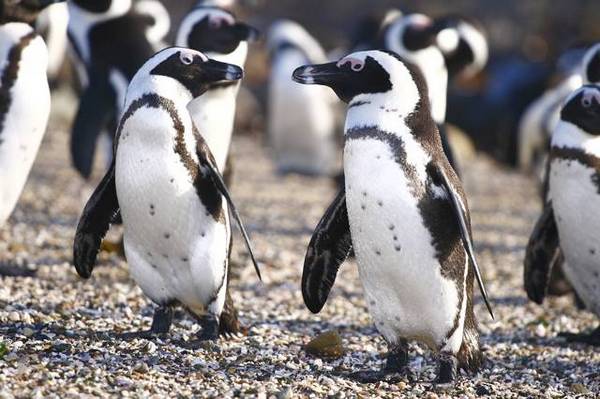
112	39
174	204
301	120
570	221
403	212
216	33
414	38
463	43
24	97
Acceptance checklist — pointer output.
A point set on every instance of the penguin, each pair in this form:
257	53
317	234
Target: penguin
216	33
52	24
569	220
463	44
24	97
165	184
112	40
414	37
541	117
301	120
403	212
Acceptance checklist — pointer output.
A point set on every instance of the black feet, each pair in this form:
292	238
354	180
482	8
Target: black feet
229	323
592	338
161	322
395	370
447	368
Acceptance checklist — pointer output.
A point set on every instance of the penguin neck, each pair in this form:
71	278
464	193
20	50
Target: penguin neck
385	112
171	90
567	135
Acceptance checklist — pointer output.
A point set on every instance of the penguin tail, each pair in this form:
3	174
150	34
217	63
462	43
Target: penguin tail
469	355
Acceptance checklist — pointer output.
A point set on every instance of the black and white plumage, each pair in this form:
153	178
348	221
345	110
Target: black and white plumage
403	211
215	32
52	24
166	186
301	120
414	37
570	220
24	97
112	39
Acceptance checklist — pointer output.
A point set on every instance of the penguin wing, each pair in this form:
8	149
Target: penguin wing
208	167
465	231
541	255
100	210
96	108
328	249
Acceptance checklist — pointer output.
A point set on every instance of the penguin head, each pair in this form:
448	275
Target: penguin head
410	34
287	36
582	109
369	76
463	44
591	65
214	30
23	10
181	72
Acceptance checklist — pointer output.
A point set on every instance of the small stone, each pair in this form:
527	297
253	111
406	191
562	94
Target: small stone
14	316
580	389
150	347
285	393
28	332
326	345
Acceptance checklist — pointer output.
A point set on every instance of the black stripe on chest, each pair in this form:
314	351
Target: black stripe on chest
205	188
436	212
583	158
10	75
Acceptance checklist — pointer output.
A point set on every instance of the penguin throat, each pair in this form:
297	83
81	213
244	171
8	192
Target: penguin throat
387	113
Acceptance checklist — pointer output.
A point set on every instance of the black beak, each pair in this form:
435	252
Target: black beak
216	71
46	3
321	74
246	32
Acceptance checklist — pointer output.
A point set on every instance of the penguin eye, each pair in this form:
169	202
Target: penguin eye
355	64
186	59
586	102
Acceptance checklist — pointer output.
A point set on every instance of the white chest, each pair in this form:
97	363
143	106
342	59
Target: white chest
575	192
178	250
405	291
24	123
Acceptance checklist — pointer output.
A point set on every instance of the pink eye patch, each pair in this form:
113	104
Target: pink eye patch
589	96
355	64
217	21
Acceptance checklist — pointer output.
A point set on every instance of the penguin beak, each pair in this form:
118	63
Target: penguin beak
322	74
46	3
246	32
215	71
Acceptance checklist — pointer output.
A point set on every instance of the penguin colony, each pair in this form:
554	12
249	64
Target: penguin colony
169	113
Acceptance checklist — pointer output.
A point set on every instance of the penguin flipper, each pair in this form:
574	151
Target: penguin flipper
465	231
208	164
96	107
95	220
328	249
542	254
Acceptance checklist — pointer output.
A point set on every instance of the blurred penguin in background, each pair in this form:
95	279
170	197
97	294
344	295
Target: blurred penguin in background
112	39
541	116
52	25
301	119
211	29
414	38
24	97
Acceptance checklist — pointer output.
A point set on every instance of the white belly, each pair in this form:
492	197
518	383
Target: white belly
24	125
175	250
214	114
406	294
576	202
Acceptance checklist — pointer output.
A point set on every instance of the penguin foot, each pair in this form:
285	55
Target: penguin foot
592	338
229	324
447	369
147	334
14	270
161	322
210	328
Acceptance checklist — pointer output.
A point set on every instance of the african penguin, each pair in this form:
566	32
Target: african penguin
301	120
570	221
216	33
52	23
414	38
112	39
24	97
463	43
166	186
403	212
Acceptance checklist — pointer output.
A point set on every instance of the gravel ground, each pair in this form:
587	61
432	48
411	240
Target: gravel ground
60	335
